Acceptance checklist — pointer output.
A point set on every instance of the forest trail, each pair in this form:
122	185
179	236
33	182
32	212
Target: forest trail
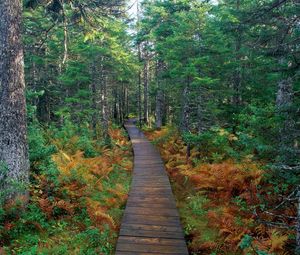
151	222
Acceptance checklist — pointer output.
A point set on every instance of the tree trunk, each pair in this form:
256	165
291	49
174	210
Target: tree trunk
13	130
186	114
140	73
158	109
199	114
185	110
104	110
65	25
126	102
284	102
237	76
146	84
93	89
159	100
140	99
298	225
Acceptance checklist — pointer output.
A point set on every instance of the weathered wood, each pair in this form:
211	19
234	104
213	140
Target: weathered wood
161	249
151	240
152	211
150	224
144	253
151	233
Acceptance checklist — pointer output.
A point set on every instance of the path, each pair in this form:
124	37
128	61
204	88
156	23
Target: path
150	223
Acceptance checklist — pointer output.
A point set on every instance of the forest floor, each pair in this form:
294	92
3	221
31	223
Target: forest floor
78	209
217	199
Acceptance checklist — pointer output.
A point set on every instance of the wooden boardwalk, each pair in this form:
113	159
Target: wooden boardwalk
151	222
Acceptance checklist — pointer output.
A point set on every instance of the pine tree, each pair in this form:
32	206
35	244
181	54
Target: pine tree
14	164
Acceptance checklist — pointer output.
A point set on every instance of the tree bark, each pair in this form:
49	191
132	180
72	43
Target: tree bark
186	114
159	99
140	99
199	114
185	110
298	224
284	102
146	86
93	89
104	110
65	25
237	75
140	73
13	129
158	109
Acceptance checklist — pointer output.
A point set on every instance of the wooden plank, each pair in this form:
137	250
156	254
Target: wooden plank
157	179
151	197
146	205
151	233
163	249
148	185
143	253
151	220
137	226
152	211
147	189
167	203
156	183
151	240
158	193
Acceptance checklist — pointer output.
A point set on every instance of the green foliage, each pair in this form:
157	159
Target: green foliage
246	242
3	174
75	138
39	148
215	144
94	241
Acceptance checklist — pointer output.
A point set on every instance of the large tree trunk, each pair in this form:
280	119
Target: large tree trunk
13	136
287	150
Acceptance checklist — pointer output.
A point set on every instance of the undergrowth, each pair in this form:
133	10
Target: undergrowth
222	196
78	191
